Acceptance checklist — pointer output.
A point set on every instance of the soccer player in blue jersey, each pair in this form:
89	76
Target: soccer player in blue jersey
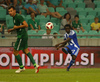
73	46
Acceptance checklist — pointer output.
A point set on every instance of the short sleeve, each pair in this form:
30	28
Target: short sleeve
20	19
72	35
92	25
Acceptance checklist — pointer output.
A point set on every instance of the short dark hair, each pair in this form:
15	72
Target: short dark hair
68	25
76	16
11	7
67	14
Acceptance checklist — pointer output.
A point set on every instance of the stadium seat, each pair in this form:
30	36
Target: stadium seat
32	32
43	27
97	2
72	5
1	8
56	28
88	9
92	13
27	18
45	20
42	23
82	13
92	32
63	12
51	9
59	9
81	5
84	33
91	21
2	14
68	1
23	12
97	9
90	17
78	1
41	32
79	9
87	28
84	21
98	6
64	4
98	13
81	16
9	22
54	20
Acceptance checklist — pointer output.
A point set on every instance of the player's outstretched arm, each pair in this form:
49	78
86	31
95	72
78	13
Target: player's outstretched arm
62	44
24	25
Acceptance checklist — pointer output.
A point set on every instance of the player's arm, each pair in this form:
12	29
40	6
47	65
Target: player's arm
24	25
62	44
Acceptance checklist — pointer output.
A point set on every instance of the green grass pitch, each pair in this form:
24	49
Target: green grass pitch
51	75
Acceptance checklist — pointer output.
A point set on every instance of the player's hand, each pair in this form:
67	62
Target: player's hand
57	48
57	45
15	27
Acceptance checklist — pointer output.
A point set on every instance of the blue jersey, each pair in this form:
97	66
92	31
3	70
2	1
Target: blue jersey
74	41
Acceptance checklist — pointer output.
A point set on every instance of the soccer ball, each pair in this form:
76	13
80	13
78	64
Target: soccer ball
49	25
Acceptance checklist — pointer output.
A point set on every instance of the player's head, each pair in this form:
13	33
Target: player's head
67	28
67	16
96	19
42	1
76	18
32	15
12	11
48	31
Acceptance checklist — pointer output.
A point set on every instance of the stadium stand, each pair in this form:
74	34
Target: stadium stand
86	10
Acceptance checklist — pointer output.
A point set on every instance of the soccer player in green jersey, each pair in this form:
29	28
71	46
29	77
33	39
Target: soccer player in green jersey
22	38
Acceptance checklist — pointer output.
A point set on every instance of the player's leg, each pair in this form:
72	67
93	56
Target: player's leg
26	51
74	53
71	62
19	60
65	50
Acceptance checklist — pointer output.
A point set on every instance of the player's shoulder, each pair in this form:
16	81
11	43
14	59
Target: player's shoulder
72	32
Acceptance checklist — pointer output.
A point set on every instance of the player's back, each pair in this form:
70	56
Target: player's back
73	36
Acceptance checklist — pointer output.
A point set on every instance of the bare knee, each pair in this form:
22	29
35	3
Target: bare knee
15	52
26	51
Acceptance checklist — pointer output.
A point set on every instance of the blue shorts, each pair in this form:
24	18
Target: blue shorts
72	50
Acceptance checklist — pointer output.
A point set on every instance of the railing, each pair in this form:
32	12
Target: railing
60	35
